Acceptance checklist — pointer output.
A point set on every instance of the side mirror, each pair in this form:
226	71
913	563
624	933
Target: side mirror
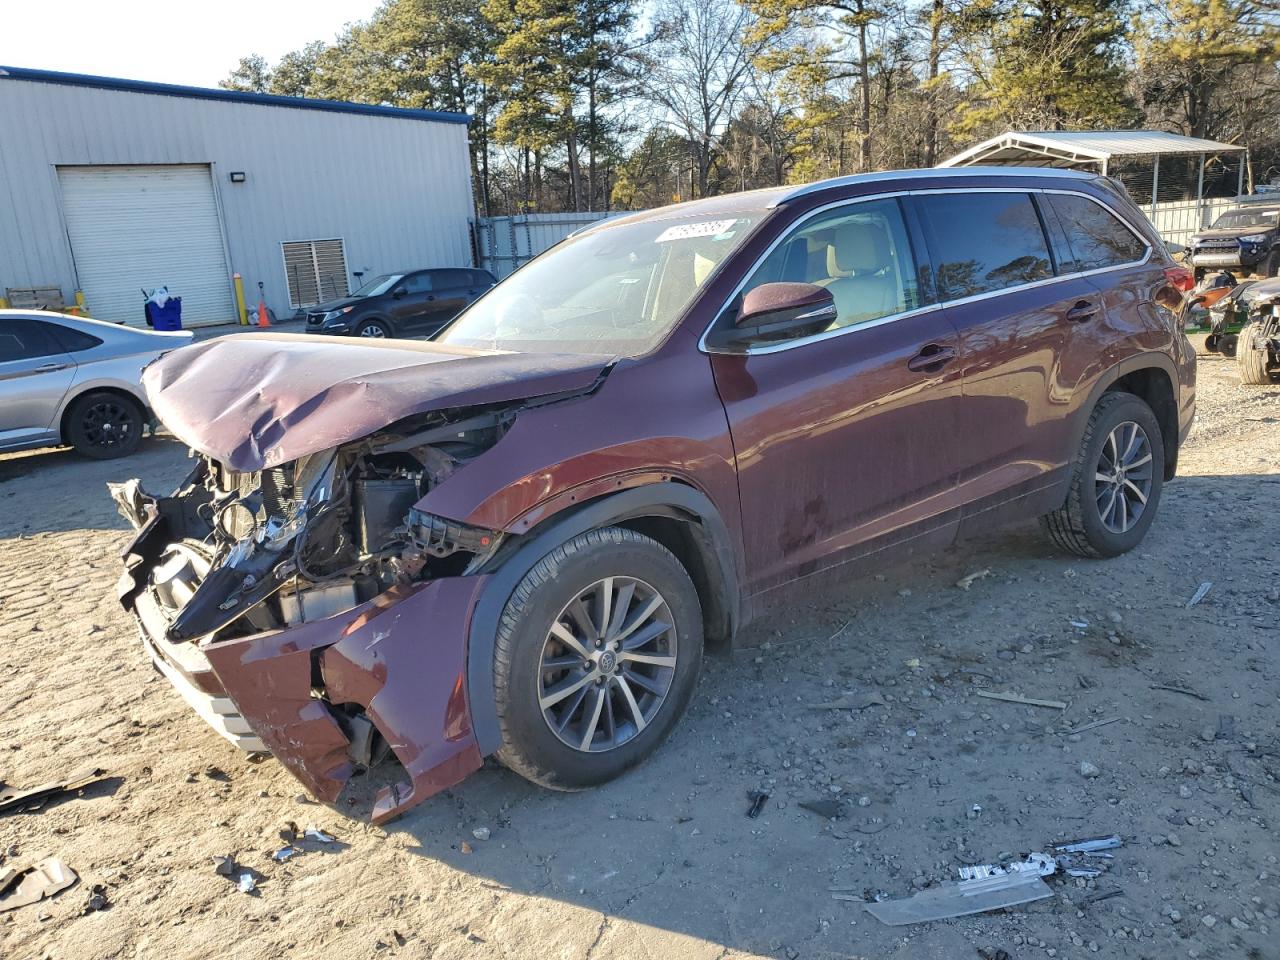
397	293
781	311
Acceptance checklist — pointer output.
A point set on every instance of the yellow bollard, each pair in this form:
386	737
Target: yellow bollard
4	303
81	305
244	313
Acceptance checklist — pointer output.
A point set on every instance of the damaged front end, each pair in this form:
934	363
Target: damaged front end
313	609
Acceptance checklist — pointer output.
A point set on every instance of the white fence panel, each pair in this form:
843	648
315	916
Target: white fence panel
1176	222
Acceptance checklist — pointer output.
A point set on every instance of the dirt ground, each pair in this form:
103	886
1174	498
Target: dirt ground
664	863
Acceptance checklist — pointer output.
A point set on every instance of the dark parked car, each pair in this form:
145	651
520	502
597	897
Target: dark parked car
1244	240
416	303
516	539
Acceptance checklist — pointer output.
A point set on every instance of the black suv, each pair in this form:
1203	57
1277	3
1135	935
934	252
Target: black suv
1243	240
401	304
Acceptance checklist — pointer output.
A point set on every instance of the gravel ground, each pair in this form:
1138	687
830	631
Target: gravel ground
664	862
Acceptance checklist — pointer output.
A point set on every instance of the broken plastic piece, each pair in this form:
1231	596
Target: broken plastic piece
967	581
1092	845
1040	864
314	833
246	884
224	866
284	853
1202	591
13	799
961	899
21	888
1018	698
758	800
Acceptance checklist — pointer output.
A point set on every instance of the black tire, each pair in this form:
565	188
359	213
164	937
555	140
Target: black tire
529	746
374	328
1227	344
104	425
1271	266
1078	525
1253	363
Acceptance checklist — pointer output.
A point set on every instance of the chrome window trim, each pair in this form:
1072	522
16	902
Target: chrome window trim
960	301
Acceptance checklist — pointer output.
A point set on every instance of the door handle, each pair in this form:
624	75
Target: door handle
50	367
1082	311
431	296
931	358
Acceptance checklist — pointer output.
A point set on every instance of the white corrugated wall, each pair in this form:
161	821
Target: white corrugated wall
396	190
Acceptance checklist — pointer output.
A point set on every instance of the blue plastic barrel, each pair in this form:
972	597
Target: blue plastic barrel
168	317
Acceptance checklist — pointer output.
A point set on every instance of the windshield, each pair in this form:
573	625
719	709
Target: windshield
616	291
1247	218
378	285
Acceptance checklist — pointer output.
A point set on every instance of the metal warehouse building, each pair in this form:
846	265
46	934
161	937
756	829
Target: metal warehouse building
111	186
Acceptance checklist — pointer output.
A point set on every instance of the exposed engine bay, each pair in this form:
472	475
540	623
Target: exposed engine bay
253	552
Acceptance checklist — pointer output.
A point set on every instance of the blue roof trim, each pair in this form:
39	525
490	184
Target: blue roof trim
231	96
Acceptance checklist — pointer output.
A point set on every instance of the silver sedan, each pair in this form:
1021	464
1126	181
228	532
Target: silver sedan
68	380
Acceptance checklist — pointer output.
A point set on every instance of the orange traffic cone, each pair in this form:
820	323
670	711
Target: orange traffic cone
262	314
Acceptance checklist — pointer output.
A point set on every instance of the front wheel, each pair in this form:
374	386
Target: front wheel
596	658
377	329
1116	481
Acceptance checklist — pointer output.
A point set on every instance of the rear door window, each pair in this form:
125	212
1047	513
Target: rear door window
984	242
1095	237
26	340
452	279
417	283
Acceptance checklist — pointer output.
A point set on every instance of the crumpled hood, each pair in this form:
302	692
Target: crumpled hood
257	400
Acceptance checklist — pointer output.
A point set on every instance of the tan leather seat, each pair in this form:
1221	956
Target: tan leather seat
862	287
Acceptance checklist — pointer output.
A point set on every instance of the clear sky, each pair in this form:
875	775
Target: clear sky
196	42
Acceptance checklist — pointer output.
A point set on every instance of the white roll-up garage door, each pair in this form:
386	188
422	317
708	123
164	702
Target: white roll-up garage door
148	226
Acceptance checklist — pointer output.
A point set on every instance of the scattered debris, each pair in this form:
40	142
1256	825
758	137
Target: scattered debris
224	866
758	799
831	809
1102	895
1018	698
1092	845
872	699
1079	624
289	832
245	884
1202	591
1089	770
21	887
851	897
1226	727
465	847
967	581
1182	690
984	887
480	833
35	797
315	833
1090	726
97	899
284	853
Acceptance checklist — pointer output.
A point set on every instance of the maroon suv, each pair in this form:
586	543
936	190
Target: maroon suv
516	539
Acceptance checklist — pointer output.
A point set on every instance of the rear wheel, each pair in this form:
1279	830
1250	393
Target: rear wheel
1271	266
104	425
596	658
377	329
1116	481
1253	363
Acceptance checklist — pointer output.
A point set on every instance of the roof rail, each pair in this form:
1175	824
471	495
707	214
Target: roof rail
929	173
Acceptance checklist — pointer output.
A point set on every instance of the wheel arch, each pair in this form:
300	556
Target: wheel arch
1151	376
680	517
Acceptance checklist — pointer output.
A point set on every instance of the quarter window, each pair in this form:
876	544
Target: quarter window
1095	237
982	242
860	252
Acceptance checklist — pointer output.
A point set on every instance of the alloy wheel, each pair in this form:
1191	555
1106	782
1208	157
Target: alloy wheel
607	664
108	423
1124	477
372	330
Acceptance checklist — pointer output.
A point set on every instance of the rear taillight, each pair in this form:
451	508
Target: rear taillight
1181	278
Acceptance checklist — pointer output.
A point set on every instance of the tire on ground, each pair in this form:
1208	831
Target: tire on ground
1077	525
529	747
76	432
374	324
1253	363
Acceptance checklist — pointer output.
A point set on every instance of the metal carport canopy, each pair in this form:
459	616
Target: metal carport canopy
1077	148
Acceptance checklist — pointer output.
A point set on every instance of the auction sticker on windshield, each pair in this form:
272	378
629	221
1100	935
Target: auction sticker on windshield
686	231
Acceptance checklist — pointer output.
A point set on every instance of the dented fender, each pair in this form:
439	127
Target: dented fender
401	656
